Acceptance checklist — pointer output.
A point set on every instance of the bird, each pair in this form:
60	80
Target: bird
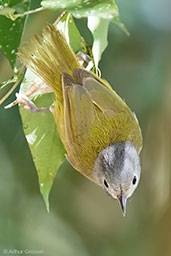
100	133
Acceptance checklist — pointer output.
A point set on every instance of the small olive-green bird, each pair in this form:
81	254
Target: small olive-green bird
100	133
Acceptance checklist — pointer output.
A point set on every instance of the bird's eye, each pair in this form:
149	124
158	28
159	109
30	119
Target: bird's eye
134	180
106	184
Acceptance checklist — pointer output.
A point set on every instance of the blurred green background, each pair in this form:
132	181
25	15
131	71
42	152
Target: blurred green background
83	219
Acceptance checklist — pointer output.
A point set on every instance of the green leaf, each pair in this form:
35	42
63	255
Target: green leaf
40	128
117	21
84	8
105	9
99	29
99	13
7	12
72	34
10	30
41	133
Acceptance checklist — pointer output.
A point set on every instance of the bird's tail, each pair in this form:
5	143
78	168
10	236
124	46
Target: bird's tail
49	56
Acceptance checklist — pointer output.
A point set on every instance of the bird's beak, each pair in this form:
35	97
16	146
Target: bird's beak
122	201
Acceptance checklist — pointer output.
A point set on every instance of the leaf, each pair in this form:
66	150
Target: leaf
72	34
117	21
7	12
105	9
84	8
99	29
10	30
42	136
40	128
99	13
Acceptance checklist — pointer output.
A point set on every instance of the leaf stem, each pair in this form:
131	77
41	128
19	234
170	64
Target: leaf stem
17	81
59	18
28	12
9	92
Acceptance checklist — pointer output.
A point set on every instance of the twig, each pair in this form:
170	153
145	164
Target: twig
29	12
59	18
9	92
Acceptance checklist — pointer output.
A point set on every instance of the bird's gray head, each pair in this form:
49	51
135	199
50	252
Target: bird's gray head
117	170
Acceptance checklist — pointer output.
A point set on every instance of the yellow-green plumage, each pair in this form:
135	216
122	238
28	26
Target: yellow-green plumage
89	115
49	56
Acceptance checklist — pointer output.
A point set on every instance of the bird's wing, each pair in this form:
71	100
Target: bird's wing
96	114
100	92
123	121
78	109
106	99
